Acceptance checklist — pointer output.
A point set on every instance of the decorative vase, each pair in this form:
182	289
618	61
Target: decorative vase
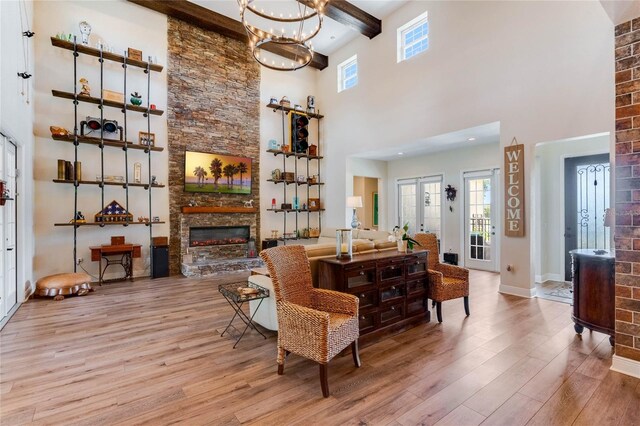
402	246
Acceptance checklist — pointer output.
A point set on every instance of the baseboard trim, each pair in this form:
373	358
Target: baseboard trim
626	366
549	277
517	291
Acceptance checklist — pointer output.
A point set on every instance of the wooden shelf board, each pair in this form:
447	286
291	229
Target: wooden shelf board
95	182
92	51
279	107
96	101
289	182
294	154
204	209
295	210
106	223
107	142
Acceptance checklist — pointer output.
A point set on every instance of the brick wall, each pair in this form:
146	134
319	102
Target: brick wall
627	231
213	106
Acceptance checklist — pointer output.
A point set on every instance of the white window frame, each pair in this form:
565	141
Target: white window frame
415	22
341	71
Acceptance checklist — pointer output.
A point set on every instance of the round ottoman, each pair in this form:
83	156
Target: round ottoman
60	285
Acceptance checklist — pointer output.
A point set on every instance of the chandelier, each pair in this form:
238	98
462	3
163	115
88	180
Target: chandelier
287	26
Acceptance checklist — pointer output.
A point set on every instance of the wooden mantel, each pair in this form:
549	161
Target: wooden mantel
204	209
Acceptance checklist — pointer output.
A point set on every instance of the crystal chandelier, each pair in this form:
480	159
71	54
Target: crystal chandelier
289	24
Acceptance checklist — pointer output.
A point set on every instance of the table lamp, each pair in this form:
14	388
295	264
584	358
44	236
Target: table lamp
354	203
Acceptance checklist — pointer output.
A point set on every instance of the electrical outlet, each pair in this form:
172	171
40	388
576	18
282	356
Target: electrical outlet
79	260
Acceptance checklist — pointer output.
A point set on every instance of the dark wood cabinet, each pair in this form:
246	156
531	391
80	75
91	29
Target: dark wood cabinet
391	287
594	292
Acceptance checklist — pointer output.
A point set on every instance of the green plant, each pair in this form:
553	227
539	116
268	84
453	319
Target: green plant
405	236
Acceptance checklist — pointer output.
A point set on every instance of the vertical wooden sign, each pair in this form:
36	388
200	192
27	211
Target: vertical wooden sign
514	190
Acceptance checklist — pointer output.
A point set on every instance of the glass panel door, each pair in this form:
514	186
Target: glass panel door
480	223
407	205
431	191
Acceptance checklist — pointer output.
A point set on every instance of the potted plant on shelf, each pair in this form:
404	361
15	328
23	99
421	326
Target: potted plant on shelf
402	238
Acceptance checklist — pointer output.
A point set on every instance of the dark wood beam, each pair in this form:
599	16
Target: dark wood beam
213	21
347	14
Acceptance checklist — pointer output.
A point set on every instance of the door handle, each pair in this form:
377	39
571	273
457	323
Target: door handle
9	249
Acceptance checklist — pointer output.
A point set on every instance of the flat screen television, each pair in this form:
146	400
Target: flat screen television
206	172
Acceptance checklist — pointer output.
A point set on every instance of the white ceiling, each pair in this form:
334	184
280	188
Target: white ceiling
484	134
333	34
621	10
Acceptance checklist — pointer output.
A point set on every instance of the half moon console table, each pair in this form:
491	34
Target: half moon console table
594	292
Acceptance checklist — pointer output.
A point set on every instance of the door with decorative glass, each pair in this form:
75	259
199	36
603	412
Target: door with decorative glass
8	278
480	234
587	183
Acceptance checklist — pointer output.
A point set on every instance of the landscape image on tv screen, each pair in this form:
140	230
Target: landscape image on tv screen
216	173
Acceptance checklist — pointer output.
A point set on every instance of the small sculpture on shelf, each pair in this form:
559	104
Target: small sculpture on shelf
143	219
85	90
311	104
193	203
85	31
285	102
79	218
248	204
136	99
58	131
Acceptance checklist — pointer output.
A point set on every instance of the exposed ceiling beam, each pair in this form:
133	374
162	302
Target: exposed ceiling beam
213	21
347	14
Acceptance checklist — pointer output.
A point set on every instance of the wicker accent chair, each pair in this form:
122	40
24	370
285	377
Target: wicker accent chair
446	281
313	323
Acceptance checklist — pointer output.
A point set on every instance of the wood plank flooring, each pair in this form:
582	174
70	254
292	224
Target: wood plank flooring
150	352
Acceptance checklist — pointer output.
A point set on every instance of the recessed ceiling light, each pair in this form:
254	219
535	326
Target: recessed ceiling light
471	139
332	37
401	153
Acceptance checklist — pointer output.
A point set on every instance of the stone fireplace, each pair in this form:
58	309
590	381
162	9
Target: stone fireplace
213	102
214	242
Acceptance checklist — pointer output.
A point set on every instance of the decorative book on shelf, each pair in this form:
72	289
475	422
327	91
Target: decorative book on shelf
113	212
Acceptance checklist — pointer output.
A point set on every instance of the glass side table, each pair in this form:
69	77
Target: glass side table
236	300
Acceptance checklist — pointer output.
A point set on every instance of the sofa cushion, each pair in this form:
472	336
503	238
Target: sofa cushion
360	246
317	250
384	244
372	234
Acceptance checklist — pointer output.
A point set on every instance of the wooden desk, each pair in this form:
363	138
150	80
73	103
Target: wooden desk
392	288
126	252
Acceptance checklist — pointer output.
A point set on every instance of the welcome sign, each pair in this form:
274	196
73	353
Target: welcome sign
514	190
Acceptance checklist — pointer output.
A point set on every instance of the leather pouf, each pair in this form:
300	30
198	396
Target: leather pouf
60	285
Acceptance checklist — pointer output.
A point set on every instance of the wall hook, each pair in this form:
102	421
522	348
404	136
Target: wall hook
28	33
24	75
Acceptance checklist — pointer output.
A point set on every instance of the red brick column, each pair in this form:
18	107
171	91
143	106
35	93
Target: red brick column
627	198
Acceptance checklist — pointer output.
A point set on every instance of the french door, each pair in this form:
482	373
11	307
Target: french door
420	205
8	270
587	183
481	221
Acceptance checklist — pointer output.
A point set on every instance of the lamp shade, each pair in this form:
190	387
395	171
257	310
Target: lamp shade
354	202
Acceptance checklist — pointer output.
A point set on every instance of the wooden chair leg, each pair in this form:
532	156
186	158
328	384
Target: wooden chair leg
355	352
324	383
433	303
281	358
439	311
466	305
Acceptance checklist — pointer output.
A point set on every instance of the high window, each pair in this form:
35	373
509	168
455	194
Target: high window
413	37
348	73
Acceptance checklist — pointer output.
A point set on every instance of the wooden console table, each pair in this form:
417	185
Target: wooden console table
594	292
126	252
392	288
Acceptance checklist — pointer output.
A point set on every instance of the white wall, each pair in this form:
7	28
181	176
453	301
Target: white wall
550	207
451	165
16	122
119	24
544	70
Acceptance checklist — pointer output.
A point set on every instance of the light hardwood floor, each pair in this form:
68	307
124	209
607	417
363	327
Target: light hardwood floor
151	352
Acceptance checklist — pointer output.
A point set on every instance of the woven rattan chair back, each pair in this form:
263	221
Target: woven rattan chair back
429	242
290	273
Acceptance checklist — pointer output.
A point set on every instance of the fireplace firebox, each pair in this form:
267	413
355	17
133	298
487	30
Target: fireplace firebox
218	235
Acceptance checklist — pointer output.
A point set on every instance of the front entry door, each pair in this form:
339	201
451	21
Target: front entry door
480	239
8	271
586	187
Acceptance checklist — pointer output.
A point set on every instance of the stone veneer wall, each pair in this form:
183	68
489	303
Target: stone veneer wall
627	230
213	106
